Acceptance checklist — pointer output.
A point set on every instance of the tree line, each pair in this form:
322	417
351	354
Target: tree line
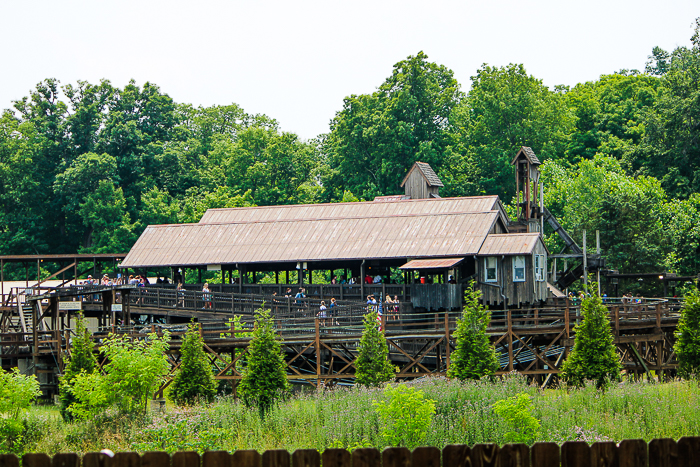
86	167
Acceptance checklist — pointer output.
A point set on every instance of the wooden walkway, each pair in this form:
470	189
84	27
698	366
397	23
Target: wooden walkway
322	351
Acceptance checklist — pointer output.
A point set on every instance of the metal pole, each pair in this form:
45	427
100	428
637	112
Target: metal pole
585	263
597	251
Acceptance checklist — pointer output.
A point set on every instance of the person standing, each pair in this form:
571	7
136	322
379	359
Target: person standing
206	296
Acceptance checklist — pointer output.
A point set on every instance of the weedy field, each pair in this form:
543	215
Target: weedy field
348	418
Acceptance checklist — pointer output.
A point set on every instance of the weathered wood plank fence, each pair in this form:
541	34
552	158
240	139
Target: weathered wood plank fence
629	453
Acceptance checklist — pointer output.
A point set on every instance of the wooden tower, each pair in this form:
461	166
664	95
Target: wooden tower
528	192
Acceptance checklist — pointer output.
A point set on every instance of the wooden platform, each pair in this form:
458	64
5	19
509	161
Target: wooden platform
533	342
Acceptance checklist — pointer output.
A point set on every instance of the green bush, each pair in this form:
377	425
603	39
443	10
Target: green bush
194	381
372	368
136	368
516	411
594	356
405	419
687	344
82	359
474	356
264	379
17	392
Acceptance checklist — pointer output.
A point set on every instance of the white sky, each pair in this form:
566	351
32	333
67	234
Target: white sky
296	60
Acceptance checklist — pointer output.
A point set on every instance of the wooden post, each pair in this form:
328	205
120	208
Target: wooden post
510	340
35	332
447	341
127	296
318	353
566	319
362	281
113	314
617	320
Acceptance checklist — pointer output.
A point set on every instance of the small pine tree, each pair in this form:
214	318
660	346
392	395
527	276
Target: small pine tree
194	381
264	377
474	356
372	366
82	359
687	344
594	356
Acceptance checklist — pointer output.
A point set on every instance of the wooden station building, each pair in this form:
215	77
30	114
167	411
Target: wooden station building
440	244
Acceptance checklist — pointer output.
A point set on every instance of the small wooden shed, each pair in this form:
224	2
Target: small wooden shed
513	266
421	182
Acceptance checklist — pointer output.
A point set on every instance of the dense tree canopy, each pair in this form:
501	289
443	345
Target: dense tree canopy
85	167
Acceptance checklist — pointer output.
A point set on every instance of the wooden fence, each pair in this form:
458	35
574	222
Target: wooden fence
628	453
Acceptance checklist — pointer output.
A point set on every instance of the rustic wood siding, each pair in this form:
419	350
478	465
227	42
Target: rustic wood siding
435	296
416	186
529	292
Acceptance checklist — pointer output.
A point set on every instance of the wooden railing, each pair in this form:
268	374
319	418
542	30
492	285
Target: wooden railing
658	452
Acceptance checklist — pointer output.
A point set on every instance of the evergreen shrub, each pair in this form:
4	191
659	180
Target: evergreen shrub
194	382
372	368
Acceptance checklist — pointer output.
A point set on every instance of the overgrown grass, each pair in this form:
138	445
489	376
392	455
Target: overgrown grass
346	418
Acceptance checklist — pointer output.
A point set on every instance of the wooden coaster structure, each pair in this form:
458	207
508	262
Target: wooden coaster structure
322	351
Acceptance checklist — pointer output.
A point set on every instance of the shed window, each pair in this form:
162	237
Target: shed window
539	268
491	269
518	269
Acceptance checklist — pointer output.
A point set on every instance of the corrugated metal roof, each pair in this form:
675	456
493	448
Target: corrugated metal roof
381	208
509	244
349	238
441	263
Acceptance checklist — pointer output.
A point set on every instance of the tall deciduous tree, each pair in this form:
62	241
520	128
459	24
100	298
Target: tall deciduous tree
376	138
474	356
509	109
670	149
372	367
594	357
264	378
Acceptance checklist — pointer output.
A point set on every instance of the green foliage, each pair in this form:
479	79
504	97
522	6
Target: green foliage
474	356
376	138
136	368
509	109
372	367
194	382
81	360
516	411
628	211
17	392
406	417
264	379
687	334
348	418
594	356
